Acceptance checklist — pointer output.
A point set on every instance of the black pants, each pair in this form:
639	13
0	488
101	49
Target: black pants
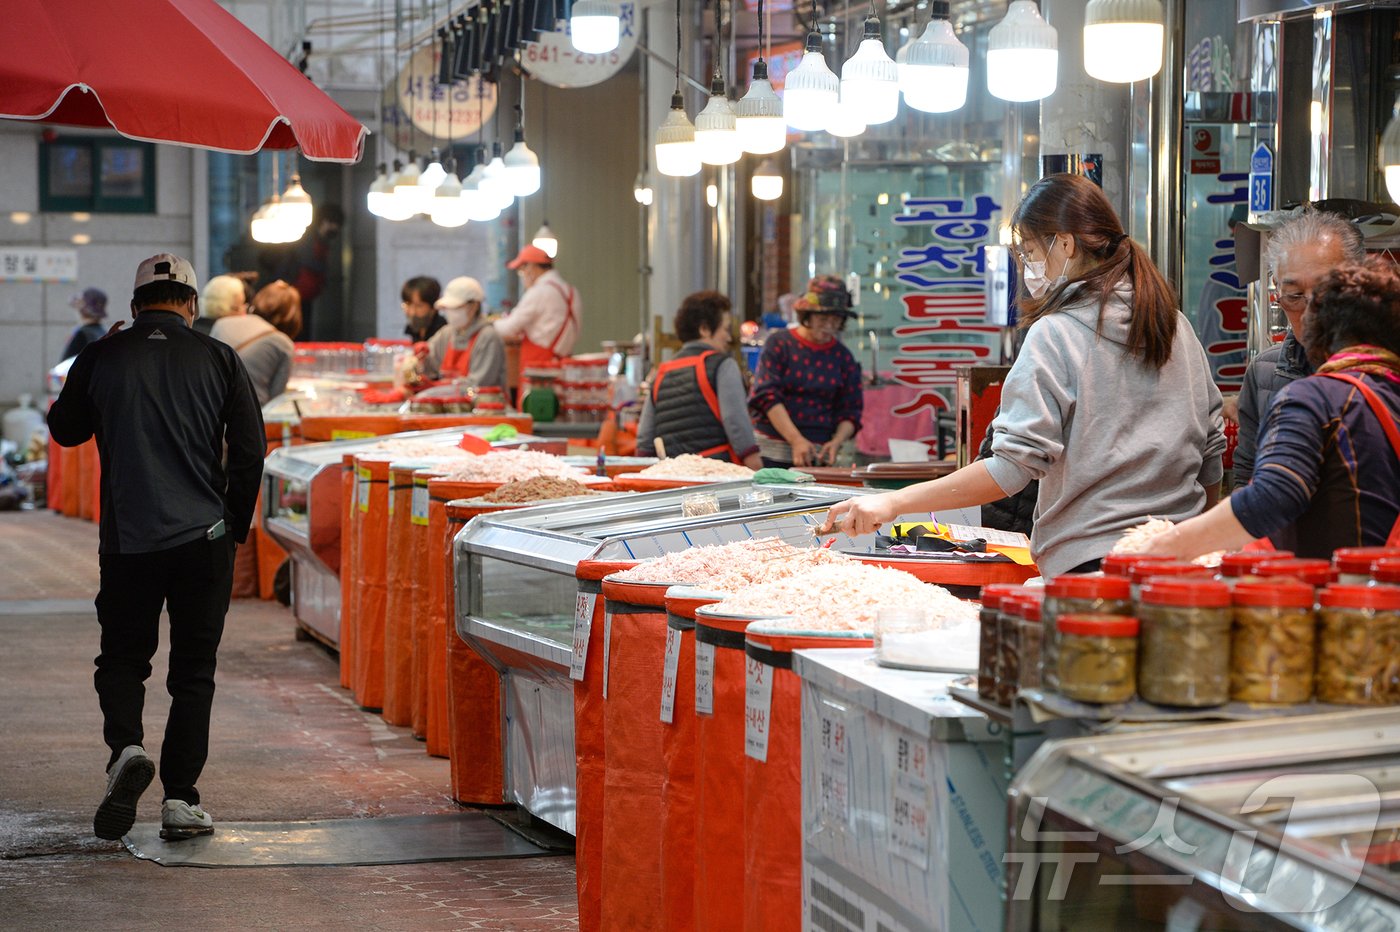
192	582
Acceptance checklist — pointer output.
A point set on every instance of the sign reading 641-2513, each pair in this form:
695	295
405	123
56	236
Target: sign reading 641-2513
553	59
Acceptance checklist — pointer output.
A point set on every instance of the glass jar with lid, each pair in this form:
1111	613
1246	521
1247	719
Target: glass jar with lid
1243	563
1386	570
1358	645
1316	573
1354	563
1184	657
1121	564
1028	627
988	650
1141	572
1078	594
1008	646
1273	642
1097	657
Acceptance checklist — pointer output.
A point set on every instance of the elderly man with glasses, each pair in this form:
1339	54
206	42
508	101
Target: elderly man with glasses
1301	251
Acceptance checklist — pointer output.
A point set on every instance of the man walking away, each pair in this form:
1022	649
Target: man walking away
164	402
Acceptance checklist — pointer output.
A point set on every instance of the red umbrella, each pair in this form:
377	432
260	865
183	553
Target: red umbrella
178	71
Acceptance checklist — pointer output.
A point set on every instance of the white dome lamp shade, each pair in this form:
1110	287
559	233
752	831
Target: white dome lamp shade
1390	155
767	182
716	128
493	179
1123	39
1022	55
396	208
266	225
901	59
595	26
448	208
936	67
379	191
481	207
430	178
811	89
406	189
676	154
845	120
522	167
759	115
545	239
296	206
870	79
642	191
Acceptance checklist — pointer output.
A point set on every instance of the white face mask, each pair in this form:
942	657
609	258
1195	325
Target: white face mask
457	317
1034	274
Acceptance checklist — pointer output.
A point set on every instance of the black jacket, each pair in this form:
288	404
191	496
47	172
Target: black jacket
162	401
1015	512
1268	372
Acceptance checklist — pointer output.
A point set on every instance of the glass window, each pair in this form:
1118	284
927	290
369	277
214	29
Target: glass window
99	175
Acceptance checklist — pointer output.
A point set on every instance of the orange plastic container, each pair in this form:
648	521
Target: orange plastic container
944	573
371	580
53	482
72	479
421	607
377	425
773	770
89	477
400	571
630	482
349	547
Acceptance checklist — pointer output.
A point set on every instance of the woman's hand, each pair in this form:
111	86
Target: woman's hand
861	515
803	452
420	349
827	453
1165	544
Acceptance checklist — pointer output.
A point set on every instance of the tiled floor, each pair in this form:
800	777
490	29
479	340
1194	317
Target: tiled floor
286	744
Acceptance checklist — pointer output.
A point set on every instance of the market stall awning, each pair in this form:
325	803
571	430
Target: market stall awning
175	71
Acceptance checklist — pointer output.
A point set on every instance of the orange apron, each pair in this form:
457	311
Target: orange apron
535	356
459	361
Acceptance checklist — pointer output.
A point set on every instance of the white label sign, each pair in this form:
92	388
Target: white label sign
607	646
833	766
668	674
363	494
704	678
20	264
420	504
583	626
907	762
758	707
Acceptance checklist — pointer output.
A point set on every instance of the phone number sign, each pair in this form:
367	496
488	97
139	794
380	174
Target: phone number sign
552	58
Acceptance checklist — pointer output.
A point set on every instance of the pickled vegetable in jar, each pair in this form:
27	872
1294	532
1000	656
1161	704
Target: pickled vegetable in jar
1121	564
1098	657
1142	572
1273	642
1354	563
988	667
1358	645
1243	562
1028	609
1386	570
1184	646
1076	594
1316	573
1008	647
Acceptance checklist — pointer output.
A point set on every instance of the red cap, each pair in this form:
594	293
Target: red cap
994	593
1244	562
1119	564
1276	593
1386	570
1023	605
1186	593
1312	572
1146	570
1087	586
532	254
1385	598
1113	626
1357	560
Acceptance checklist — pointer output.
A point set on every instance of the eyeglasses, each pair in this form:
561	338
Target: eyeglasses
1294	300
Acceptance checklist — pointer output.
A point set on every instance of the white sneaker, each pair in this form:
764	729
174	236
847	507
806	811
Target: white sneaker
179	820
126	781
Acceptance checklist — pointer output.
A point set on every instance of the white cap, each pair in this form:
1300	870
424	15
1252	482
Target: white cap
165	267
459	291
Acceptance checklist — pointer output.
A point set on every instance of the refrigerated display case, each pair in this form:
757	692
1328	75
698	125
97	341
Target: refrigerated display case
1274	824
516	594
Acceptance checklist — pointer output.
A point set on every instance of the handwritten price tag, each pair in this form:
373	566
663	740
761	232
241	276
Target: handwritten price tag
668	675
758	707
583	626
420	504
833	766
363	494
704	679
911	797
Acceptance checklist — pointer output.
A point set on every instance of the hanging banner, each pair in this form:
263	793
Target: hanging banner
552	58
422	113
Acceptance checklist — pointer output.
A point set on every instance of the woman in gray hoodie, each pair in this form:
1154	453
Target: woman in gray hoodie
1110	403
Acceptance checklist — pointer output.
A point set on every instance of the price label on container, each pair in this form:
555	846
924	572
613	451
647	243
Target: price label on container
833	765
420	504
583	626
758	707
363	483
607	645
391	500
911	796
668	674
704	678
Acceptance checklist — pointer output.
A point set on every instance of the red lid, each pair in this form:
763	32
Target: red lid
1024	605
488	390
1144	571
1118	564
1113	626
1358	560
1312	572
491	405
1386	598
1087	586
1276	593
1244	562
1186	593
993	593
1386	570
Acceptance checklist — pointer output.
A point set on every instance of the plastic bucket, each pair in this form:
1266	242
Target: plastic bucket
420	608
371	581
88	478
400	572
349	546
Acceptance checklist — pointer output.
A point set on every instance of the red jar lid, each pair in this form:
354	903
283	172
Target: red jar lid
994	593
1386	570
1113	626
1357	560
1087	586
1185	593
491	405
1120	564
1022	605
1244	562
1312	572
1144	571
1386	598
1277	593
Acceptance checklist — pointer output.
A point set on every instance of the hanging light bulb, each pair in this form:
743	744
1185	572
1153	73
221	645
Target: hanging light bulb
1390	155
845	119
676	154
595	26
481	207
901	56
493	179
1123	39
759	115
870	80
296	206
712	194
716	132
264	226
545	239
767	182
935	73
811	89
1022	54
641	190
431	177
522	167
394	207
448	208
379	192
406	190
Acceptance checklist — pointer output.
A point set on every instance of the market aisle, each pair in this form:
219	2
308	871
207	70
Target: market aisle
287	744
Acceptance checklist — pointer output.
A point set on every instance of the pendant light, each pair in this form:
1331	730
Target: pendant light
1123	39
846	119
521	162
642	191
481	207
433	175
935	71
1390	154
379	193
595	26
716	132
1022	54
811	89
296	206
675	150
869	79
759	113
766	183
493	179
394	207
406	188
448	209
545	239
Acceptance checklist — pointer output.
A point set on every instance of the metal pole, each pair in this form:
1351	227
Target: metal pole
1166	223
